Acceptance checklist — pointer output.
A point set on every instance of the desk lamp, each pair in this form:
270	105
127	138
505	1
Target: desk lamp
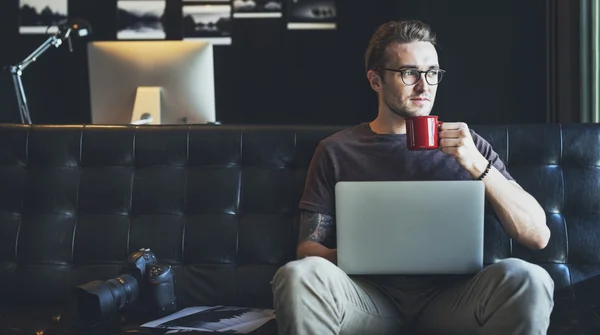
77	27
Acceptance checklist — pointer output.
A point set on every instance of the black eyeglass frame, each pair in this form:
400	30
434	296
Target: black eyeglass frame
401	71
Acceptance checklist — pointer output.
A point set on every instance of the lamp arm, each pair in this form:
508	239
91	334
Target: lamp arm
51	41
21	99
17	71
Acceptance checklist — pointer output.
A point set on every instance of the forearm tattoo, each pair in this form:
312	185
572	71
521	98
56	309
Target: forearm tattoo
316	227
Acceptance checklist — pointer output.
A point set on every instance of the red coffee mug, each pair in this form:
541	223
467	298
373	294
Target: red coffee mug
422	132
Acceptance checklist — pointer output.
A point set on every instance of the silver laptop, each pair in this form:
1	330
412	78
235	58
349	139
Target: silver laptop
410	227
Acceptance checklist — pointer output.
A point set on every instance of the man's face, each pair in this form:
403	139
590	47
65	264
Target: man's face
409	100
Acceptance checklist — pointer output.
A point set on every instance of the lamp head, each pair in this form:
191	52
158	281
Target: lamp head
78	27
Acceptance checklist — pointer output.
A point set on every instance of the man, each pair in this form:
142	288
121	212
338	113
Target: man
313	296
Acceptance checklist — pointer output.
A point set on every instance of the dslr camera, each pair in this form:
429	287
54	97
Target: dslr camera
143	285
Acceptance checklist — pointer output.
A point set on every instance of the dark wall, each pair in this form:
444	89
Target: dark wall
494	52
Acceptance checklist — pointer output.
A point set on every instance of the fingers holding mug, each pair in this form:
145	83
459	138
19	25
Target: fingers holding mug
454	130
456	140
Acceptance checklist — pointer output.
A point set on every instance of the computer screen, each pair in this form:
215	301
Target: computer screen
151	82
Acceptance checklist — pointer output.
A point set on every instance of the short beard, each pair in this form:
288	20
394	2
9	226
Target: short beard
401	112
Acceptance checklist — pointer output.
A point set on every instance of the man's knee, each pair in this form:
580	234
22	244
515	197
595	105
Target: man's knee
295	272
518	269
517	273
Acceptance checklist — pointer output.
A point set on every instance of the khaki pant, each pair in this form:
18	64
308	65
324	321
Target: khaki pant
510	297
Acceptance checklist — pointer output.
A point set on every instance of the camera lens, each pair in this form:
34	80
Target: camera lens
98	299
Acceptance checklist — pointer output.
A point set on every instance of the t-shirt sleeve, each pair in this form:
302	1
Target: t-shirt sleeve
488	152
319	187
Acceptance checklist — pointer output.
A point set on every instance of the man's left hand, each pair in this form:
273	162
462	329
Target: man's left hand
456	140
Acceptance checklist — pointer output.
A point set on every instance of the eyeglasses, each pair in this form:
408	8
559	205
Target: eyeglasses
412	76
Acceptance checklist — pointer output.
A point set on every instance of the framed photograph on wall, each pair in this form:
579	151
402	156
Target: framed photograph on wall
257	8
207	22
41	16
311	14
141	19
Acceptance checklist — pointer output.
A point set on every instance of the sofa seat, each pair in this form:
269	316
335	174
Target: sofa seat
571	316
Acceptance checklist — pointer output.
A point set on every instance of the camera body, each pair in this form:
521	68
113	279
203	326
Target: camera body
160	286
142	286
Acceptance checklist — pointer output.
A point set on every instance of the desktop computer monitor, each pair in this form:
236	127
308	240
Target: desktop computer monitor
151	82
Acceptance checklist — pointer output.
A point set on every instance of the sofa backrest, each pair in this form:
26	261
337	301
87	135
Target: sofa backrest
219	203
560	166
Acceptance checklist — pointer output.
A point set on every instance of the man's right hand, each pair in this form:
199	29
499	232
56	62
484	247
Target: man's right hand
332	256
309	248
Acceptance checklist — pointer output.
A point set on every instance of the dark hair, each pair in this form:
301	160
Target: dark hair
395	32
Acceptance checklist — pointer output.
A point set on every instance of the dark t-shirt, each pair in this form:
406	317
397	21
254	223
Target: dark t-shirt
359	154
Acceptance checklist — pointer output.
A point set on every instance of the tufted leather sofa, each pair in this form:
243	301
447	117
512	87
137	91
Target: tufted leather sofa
219	204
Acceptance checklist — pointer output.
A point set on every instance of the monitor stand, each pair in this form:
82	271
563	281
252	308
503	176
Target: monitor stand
146	108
